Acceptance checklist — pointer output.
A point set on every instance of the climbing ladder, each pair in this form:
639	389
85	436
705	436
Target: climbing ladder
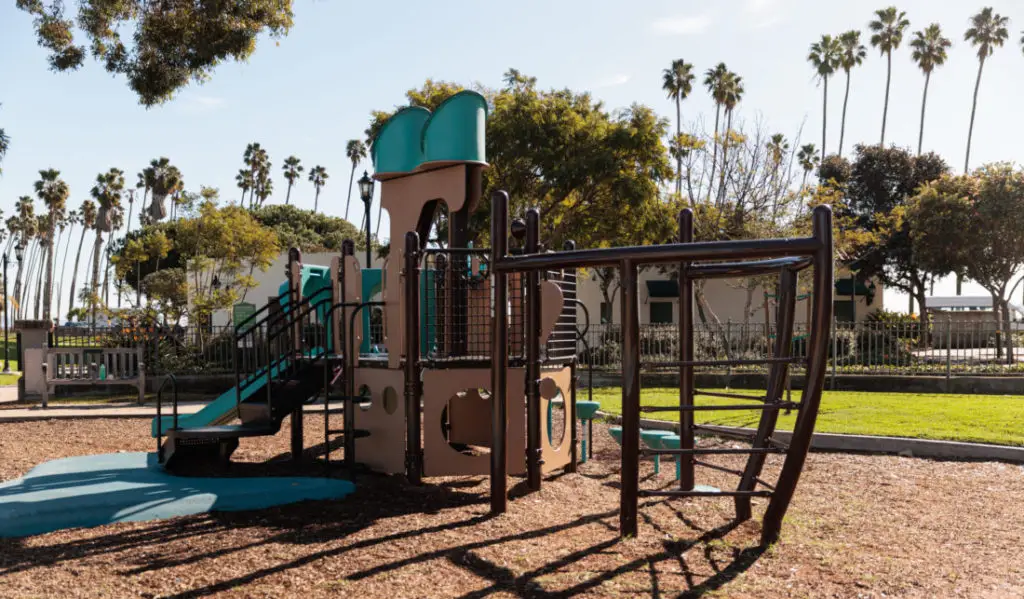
782	258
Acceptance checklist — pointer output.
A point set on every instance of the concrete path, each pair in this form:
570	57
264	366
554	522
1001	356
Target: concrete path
8	394
111	410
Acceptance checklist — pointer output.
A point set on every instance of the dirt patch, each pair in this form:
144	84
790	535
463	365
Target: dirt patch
859	526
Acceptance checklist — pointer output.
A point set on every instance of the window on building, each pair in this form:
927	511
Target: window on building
661	312
606	313
843	310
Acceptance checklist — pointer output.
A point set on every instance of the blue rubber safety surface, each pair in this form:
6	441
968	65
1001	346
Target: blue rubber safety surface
94	490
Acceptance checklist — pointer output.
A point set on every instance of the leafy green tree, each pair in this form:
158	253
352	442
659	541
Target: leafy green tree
292	170
677	82
929	52
53	192
887	35
882	181
166	46
355	150
88	216
984	213
852	54
987	32
318	177
825	57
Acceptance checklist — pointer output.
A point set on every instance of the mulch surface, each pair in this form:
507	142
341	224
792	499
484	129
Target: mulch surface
859	526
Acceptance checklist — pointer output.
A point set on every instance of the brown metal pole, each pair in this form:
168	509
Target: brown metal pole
817	353
778	374
533	415
295	286
630	471
413	391
686	478
570	412
499	353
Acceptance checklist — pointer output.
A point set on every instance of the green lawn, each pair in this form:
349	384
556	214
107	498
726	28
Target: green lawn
970	418
9	379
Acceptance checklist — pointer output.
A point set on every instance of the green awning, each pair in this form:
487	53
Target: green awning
845	287
667	288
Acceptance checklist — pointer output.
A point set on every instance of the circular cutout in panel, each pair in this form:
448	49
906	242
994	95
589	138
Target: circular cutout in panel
390	400
557	417
465	422
367	398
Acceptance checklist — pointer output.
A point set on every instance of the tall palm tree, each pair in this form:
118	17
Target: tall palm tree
74	218
88	217
852	54
46	231
167	181
807	156
987	31
257	160
713	81
677	82
825	57
244	181
107	193
732	93
355	150
929	52
145	181
292	171
887	36
53	192
317	176
26	231
5	143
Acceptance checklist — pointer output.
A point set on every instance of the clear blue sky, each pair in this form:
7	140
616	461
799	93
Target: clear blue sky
314	90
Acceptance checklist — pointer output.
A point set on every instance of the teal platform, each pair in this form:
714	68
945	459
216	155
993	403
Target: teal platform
94	490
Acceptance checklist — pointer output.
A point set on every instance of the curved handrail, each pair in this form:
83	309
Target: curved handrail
265	308
289	307
294	316
169	378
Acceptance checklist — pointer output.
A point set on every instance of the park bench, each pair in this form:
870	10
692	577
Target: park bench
81	366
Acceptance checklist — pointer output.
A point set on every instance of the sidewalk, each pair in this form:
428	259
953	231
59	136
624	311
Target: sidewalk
110	410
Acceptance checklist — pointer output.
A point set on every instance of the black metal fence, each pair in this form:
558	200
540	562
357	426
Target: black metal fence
901	348
193	350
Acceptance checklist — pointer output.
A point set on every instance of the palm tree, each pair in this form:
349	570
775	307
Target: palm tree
808	158
46	231
292	171
318	176
888	31
74	218
167	181
852	54
356	151
52	191
255	157
732	93
713	81
677	82
987	31
5	143
929	52
107	193
244	181
26	231
88	219
825	57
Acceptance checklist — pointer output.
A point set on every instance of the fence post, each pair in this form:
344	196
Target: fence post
949	352
728	353
835	342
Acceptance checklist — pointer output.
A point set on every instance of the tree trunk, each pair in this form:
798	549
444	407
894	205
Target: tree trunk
925	319
1007	326
679	155
17	285
997	303
74	274
725	161
48	288
842	122
316	200
824	117
974	108
351	178
885	107
97	249
714	151
924	100
64	269
288	196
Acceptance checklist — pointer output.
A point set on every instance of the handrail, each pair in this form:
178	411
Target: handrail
669	252
750	268
169	378
272	318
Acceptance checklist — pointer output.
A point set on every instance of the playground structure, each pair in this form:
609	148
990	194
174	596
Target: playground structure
479	344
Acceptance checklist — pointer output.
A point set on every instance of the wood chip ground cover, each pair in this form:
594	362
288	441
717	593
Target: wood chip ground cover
860	526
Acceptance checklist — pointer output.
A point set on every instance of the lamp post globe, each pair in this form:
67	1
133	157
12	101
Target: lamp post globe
366	194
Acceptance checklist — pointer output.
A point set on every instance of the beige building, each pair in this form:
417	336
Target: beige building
728	298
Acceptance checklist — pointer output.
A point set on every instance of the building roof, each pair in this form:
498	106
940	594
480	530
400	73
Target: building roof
965	302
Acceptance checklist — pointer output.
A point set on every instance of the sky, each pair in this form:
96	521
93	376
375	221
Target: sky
310	92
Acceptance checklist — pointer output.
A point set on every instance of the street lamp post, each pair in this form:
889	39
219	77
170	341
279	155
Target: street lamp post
366	194
7	360
19	254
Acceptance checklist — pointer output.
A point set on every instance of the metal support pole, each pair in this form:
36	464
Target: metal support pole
413	444
686	477
949	356
7	361
499	353
294	285
630	470
817	350
533	415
